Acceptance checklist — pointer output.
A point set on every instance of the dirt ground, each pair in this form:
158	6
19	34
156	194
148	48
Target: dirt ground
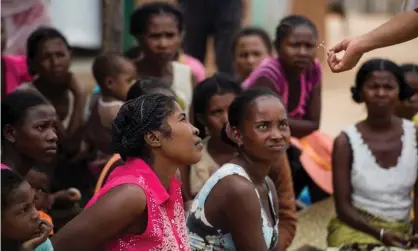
338	110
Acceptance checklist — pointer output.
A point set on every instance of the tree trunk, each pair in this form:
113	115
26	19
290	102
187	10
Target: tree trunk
112	25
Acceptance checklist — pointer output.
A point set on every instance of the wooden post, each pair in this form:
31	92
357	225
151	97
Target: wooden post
112	25
316	11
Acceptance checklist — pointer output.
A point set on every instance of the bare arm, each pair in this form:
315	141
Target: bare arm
241	215
341	161
303	127
106	218
401	28
416	197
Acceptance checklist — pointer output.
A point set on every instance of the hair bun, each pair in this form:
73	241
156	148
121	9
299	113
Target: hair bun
355	94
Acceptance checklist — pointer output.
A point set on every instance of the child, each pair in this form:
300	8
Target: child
40	181
22	228
115	75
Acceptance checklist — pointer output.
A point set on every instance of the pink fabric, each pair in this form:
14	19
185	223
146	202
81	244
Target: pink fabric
16	72
3	166
166	229
197	67
272	69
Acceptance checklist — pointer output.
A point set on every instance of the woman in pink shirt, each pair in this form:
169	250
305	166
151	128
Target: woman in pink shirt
140	207
13	67
296	77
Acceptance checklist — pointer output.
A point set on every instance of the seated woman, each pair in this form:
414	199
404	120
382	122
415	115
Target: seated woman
140	206
296	77
158	28
141	87
49	59
409	108
375	166
236	209
211	100
250	46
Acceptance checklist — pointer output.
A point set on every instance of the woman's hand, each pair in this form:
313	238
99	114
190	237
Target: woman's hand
351	57
394	240
45	229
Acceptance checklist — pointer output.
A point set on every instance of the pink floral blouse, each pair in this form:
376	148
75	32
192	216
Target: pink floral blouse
166	229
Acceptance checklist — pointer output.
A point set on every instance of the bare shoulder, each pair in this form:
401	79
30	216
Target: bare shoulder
235	187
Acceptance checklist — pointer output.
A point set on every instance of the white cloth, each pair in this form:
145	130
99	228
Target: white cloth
21	18
182	83
384	192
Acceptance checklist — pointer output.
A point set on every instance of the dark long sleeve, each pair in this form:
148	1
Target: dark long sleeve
281	176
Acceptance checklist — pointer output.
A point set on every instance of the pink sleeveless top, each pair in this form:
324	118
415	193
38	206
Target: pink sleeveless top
197	67
16	72
166	229
272	69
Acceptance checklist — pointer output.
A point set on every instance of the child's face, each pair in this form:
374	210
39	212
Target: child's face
120	84
40	183
20	219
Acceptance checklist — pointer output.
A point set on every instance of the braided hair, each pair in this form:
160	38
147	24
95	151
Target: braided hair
288	23
136	118
405	91
148	85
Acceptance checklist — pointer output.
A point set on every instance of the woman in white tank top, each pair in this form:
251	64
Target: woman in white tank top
158	28
375	166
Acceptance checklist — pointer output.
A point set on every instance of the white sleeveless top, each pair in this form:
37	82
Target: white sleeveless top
379	191
182	83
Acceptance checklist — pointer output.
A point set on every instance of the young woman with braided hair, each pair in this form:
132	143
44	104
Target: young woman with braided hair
140	206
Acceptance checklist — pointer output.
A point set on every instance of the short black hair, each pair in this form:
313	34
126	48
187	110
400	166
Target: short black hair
141	16
406	68
135	119
378	64
15	105
35	41
238	110
106	65
146	85
217	84
10	181
290	22
253	31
